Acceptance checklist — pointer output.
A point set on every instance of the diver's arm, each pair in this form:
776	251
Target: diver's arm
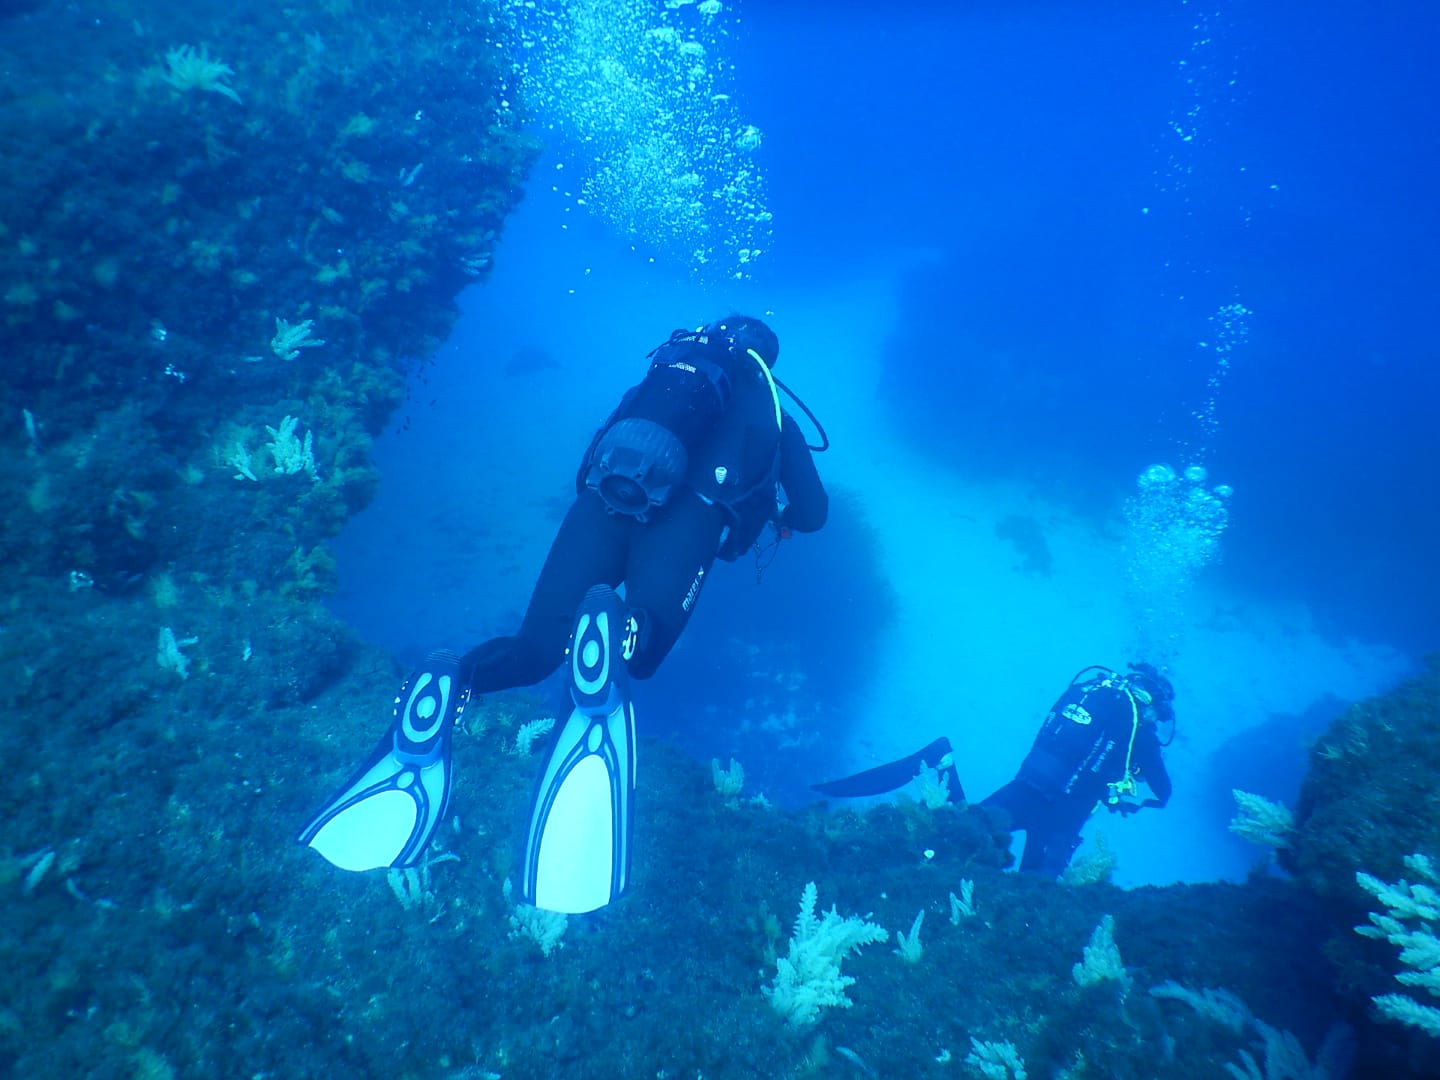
808	505
1153	772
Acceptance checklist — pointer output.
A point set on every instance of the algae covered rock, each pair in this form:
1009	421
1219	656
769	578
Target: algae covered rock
1372	795
216	219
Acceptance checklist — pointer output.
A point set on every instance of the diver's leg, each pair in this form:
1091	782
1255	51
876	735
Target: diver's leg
588	550
1055	835
666	569
1048	852
577	850
1051	828
1014	799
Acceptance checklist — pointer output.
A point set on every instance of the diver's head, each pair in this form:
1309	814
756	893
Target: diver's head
746	334
1152	691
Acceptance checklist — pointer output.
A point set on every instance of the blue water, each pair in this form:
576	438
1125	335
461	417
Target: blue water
1034	219
1024	145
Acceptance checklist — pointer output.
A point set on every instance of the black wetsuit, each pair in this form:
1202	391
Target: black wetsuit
1080	750
728	497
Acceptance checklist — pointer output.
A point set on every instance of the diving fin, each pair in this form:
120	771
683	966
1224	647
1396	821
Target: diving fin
577	850
938	755
387	812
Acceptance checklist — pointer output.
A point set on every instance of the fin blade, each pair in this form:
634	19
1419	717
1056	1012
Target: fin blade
385	815
387	812
578	851
578	847
373	833
887	777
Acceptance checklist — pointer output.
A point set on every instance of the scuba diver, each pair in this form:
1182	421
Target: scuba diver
1098	743
688	468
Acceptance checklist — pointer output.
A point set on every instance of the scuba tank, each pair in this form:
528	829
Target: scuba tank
643	451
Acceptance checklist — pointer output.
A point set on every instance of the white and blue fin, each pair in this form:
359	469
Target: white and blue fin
578	849
389	809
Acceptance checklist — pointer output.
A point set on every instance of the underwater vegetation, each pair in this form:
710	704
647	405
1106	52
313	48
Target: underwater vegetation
159	916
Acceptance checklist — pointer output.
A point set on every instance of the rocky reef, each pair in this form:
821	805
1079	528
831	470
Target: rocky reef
216	220
1371	800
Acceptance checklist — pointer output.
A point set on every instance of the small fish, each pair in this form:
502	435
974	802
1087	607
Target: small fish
856	1060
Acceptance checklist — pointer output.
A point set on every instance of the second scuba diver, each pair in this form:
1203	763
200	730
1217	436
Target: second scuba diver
1097	744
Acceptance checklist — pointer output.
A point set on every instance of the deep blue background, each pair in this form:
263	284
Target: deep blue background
1055	335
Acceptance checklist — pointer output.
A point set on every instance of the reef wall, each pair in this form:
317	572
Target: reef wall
1370	805
215	220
